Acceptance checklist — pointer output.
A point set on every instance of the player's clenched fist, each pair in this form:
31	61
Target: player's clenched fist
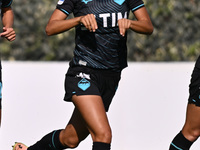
124	24
89	22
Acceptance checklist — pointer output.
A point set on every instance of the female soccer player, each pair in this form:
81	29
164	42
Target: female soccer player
191	129
8	31
94	73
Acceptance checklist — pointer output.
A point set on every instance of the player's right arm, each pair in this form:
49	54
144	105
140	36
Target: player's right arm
7	20
59	23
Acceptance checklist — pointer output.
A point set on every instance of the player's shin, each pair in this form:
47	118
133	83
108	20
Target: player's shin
49	142
100	146
180	143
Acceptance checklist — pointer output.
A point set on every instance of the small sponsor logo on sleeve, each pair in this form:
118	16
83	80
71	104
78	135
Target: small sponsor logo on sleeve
60	2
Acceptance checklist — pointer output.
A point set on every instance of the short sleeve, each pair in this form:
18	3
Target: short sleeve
66	6
135	4
6	3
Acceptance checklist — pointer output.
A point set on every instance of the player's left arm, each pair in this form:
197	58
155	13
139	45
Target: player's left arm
8	20
142	25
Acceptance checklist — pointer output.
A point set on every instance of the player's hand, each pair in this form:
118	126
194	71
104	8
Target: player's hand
89	22
124	24
8	33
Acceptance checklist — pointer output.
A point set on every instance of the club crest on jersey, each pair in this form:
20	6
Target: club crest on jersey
60	2
120	2
86	1
84	84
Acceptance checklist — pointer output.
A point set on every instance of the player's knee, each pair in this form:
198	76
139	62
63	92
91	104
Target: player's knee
71	142
69	139
104	136
195	133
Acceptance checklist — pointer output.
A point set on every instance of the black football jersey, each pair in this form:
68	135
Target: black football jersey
5	3
105	48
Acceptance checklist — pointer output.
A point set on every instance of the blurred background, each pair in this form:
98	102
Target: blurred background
175	38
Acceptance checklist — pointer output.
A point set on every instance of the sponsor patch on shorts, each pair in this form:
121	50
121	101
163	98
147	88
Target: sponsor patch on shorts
84	84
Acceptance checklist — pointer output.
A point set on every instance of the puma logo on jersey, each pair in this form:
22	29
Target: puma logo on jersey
86	1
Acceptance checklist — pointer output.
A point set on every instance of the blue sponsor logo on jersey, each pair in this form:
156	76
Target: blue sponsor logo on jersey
120	2
86	1
84	84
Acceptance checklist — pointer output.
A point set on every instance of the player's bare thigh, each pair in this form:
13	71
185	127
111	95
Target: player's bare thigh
92	110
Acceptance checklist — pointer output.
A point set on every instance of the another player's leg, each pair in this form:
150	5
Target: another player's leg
190	131
93	112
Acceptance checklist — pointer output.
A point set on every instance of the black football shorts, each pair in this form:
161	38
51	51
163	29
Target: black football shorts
87	81
194	87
